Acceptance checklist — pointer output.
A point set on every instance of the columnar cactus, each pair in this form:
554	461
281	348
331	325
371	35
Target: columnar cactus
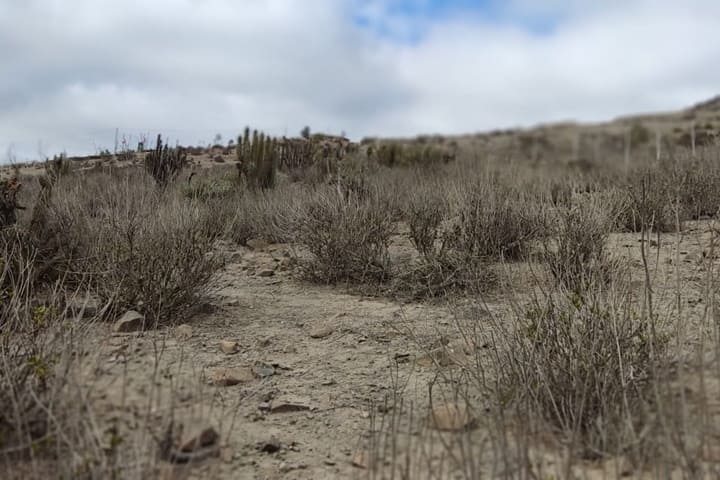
257	159
165	163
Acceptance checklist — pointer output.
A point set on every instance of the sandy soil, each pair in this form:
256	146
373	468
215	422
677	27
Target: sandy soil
317	365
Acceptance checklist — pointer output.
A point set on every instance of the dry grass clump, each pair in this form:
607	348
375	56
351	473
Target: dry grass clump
440	268
140	247
576	249
583	366
495	221
652	202
348	237
38	347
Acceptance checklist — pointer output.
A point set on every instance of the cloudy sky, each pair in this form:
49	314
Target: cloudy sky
74	71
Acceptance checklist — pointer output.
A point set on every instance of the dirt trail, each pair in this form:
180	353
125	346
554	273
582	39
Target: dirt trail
316	359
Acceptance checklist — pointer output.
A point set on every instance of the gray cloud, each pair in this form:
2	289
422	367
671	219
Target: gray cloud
75	70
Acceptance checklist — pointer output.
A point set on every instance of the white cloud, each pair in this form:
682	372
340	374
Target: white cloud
74	70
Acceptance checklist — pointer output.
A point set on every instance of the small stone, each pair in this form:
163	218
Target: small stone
226	454
227	377
451	417
131	321
289	404
269	446
321	332
262	370
183	332
229	347
265	272
360	459
206	437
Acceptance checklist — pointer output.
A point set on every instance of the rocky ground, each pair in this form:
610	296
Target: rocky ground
278	378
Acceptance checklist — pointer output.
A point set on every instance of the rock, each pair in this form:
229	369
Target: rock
289	404
229	347
451	417
262	370
256	244
203	438
183	332
227	377
285	264
131	321
265	272
226	454
321	332
269	446
360	459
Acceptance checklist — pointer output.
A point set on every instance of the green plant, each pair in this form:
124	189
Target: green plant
165	163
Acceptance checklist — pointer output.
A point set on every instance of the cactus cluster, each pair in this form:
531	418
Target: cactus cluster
257	157
165	163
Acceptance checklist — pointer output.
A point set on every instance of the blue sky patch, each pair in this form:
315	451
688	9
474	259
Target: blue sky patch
407	21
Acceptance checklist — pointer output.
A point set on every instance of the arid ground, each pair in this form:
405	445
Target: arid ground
522	304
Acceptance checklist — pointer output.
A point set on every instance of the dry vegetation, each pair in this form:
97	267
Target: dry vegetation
574	344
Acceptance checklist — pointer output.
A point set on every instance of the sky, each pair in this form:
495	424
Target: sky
75	72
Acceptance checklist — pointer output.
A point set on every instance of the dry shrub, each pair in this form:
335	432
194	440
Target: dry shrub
271	215
700	186
651	201
496	222
348	237
576	253
583	366
440	269
140	247
38	346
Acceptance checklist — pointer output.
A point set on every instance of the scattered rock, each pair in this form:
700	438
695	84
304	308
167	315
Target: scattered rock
229	347
269	446
199	439
183	332
289	467
451	417
227	377
265	272
360	459
262	370
321	332
226	454
289	404
285	264
131	321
